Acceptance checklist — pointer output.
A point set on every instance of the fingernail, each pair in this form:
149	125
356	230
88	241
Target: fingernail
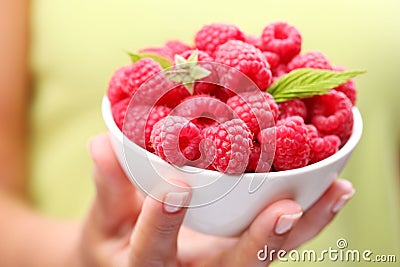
175	201
342	201
286	222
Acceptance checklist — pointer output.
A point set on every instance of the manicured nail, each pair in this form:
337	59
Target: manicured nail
286	222
342	201
175	201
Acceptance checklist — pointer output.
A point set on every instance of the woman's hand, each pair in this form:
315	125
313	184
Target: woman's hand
126	229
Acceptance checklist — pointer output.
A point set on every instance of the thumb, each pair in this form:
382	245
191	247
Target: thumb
154	239
117	203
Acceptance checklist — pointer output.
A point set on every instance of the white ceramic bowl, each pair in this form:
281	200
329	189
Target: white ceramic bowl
221	204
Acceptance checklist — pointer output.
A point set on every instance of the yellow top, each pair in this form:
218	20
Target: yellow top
76	46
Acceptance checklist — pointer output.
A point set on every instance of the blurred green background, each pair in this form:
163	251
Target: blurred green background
76	46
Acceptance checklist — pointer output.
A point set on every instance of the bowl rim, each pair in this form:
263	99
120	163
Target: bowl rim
344	151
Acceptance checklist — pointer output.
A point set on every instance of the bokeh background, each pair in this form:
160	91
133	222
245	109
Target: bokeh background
76	46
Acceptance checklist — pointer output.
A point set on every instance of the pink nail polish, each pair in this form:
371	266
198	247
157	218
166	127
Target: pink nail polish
342	201
175	201
286	222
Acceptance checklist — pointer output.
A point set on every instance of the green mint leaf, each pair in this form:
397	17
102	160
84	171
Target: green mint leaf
190	87
302	83
179	59
164	62
187	71
198	73
194	57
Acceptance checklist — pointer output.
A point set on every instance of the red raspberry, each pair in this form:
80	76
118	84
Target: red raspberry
279	71
312	132
273	106
201	55
211	36
255	163
253	40
203	106
245	58
119	80
323	147
163	51
119	111
160	90
176	140
332	115
174	96
130	78
273	59
348	88
282	39
222	93
231	142
312	60
292	144
253	108
203	123
177	47
208	84
294	107
139	123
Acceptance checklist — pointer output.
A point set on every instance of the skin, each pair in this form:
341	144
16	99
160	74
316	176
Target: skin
140	232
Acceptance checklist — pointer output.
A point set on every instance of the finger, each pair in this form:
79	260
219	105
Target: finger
270	229
154	239
321	213
117	202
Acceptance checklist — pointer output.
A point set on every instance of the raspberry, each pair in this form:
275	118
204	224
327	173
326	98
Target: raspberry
348	88
312	60
130	78
177	47
207	84
273	106
292	144
201	55
245	58
176	140
273	59
119	80
253	108
312	132
282	39
139	123
280	70
253	40
294	107
119	111
231	142
222	93
203	123
331	114
257	164
203	106
211	36
323	147
174	96
163	51
160	90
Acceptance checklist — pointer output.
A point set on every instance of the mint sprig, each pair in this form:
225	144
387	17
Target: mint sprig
302	83
164	62
187	71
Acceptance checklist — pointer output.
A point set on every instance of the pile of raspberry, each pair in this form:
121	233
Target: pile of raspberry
213	127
